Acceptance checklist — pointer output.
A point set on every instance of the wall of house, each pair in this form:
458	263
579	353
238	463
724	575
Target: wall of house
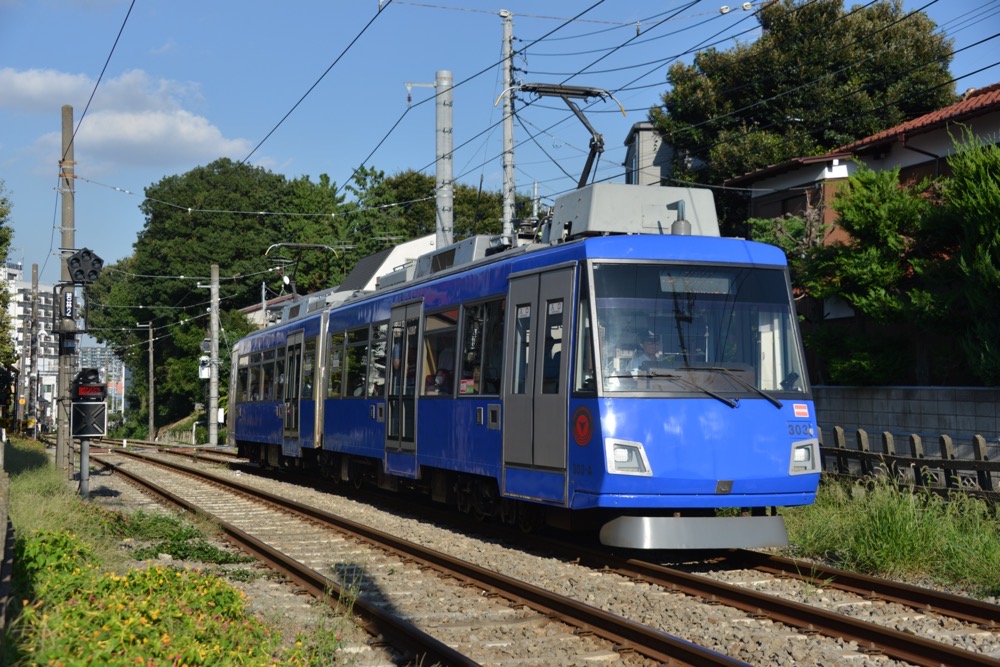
959	412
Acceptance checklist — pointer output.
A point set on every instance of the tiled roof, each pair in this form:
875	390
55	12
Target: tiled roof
975	102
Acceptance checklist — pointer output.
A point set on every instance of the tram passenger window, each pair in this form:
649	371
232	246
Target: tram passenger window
471	361
440	333
493	344
376	363
243	379
309	369
254	385
267	376
279	375
336	367
356	362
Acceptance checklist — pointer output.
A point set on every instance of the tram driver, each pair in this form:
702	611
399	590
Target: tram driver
650	353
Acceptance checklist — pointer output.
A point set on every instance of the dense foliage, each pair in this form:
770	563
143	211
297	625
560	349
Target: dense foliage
972	202
78	598
819	77
269	235
8	354
920	270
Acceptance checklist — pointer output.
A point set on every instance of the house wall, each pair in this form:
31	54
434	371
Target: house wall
930	412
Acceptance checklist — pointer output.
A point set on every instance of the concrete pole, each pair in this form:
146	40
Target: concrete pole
508	127
444	171
151	430
67	332
213	364
33	352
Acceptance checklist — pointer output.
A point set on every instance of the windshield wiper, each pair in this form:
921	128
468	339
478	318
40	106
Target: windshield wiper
682	380
736	378
654	373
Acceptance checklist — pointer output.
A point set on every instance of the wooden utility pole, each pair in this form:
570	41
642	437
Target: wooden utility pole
66	316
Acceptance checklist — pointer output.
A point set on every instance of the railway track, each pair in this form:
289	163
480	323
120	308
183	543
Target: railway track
971	618
394	585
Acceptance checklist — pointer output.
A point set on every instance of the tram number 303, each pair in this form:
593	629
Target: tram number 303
800	429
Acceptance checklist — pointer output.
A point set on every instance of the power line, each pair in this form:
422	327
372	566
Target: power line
322	76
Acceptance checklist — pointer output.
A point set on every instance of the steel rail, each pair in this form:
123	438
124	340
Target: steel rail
870	637
983	614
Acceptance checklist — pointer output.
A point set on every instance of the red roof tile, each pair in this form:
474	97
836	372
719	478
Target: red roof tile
974	102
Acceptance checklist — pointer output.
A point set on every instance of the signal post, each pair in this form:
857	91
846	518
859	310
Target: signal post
83	402
88	417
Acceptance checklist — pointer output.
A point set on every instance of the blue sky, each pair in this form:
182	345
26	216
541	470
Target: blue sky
189	82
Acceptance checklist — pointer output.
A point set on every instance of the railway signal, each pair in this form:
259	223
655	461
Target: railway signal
84	266
87	387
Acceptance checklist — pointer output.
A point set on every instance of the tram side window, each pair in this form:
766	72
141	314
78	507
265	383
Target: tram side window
267	376
356	362
440	334
309	369
481	361
279	374
336	367
376	365
254	386
583	371
243	379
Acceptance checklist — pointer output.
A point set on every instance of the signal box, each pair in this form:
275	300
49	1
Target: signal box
87	387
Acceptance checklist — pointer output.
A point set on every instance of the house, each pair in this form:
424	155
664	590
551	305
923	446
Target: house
919	147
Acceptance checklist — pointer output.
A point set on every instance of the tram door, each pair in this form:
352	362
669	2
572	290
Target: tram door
536	370
291	377
402	363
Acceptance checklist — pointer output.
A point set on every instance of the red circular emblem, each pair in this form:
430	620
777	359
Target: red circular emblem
583	426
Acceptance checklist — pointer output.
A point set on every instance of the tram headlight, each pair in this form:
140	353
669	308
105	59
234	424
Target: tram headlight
626	458
805	457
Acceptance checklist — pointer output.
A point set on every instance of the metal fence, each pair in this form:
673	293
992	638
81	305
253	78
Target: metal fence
919	466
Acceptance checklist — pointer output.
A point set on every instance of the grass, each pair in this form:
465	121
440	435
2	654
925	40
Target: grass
79	599
875	528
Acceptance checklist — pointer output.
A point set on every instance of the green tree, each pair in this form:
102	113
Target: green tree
8	354
972	200
474	211
223	213
896	271
818	78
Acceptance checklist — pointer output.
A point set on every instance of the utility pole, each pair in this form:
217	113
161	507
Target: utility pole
67	318
508	127
151	433
444	142
213	378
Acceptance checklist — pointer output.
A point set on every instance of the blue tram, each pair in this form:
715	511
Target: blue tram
628	371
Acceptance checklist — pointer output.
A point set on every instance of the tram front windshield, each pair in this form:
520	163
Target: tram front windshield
684	329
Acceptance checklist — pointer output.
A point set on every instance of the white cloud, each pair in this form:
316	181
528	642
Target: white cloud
41	89
156	138
133	119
